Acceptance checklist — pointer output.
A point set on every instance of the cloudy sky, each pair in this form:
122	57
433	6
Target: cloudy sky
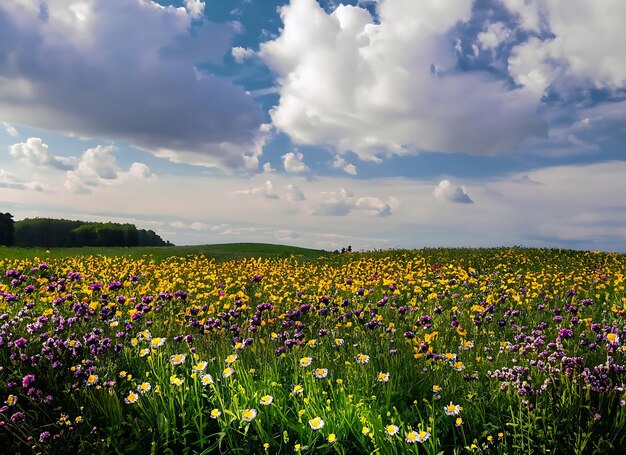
320	123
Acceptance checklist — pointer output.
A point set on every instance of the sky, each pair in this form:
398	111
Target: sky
320	123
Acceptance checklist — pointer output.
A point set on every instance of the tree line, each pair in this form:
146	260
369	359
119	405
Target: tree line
50	232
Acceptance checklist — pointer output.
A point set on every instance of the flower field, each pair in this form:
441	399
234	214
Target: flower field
431	351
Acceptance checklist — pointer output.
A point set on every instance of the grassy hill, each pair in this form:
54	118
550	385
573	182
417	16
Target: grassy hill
223	251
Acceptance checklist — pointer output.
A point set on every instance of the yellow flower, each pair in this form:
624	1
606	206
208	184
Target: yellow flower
331	438
266	400
177	359
362	359
452	409
459	422
131	398
305	361
11	400
297	389
320	373
215	413
198	367
391	430
316	423
206	379
248	415
157	342
228	371
383	377
231	358
92	379
144	387
176	380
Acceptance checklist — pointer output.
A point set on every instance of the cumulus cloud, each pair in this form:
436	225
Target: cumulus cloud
88	69
495	34
294	194
195	8
584	45
265	190
241	53
342	203
35	153
367	85
293	162
340	163
447	191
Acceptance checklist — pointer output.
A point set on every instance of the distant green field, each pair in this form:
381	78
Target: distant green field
225	251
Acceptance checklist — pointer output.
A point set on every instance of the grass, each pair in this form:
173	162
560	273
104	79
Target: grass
432	351
224	251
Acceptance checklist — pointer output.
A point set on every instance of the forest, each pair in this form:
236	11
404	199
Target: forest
50	232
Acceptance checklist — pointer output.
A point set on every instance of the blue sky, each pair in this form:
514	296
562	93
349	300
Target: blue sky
376	124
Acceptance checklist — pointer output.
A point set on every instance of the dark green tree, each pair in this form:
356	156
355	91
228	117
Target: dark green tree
7	229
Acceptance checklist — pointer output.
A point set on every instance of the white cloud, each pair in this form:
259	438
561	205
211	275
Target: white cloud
447	191
265	190
139	171
10	129
527	12
241	53
93	72
340	163
268	169
294	194
35	153
195	8
367	86
293	163
586	47
495	34
342	203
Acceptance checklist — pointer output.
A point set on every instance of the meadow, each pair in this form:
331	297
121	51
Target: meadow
256	349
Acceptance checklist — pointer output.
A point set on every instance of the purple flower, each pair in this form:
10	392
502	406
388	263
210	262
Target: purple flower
28	380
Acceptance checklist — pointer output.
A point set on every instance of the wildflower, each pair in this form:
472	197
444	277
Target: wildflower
458	366
297	389
316	423
450	356
215	413
423	436
266	400
157	342
176	380
92	379
436	389
228	371
11	400
144	352
305	361
452	409
383	377
365	431
206	379
459	422
231	359
248	415
331	438
320	373
411	437
122	374
391	429
338	341
311	343
177	359
612	337
144	387
131	398
362	359
199	367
